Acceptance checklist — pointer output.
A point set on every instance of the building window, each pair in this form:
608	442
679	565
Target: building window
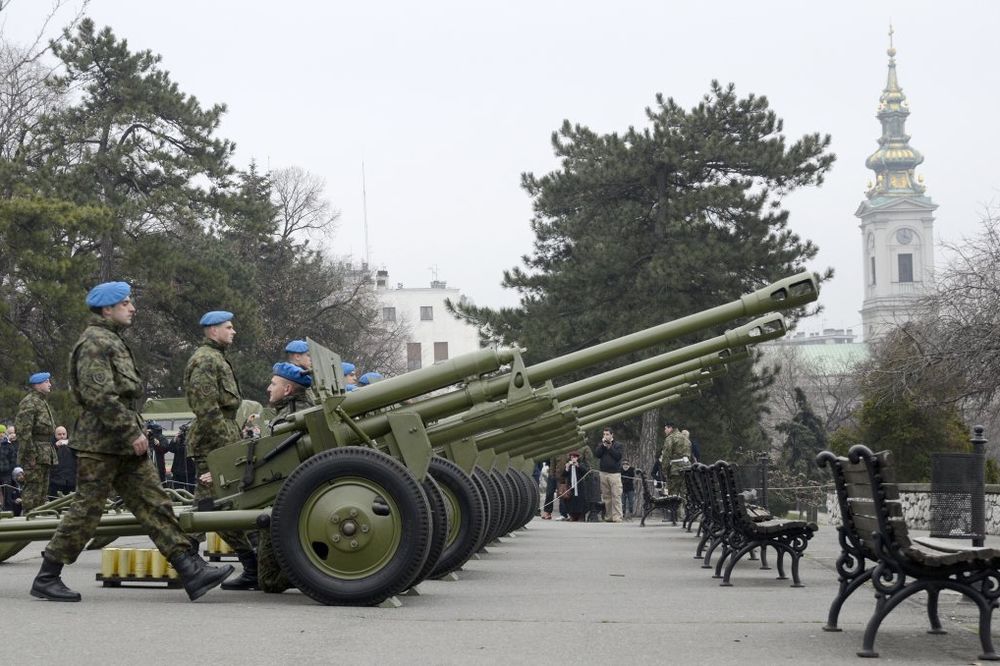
440	351
426	313
388	314
872	268
413	356
905	267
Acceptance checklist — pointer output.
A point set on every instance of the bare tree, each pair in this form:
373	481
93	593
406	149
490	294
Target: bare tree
831	388
24	75
302	207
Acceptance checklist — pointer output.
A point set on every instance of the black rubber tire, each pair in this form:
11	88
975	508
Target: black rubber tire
394	483
528	501
509	501
493	505
439	528
470	515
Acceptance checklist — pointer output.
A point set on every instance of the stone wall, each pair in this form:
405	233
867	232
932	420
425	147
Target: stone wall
916	506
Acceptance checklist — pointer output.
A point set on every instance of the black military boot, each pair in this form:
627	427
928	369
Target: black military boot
48	585
197	575
248	579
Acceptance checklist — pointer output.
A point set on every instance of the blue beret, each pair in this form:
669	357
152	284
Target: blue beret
292	373
369	378
215	317
107	294
297	347
348	368
39	377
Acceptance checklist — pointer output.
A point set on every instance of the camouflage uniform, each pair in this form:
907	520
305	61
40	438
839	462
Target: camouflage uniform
107	385
269	574
675	446
214	397
35	427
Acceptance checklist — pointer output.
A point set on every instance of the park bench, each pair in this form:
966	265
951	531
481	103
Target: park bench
650	502
873	530
692	508
747	528
707	497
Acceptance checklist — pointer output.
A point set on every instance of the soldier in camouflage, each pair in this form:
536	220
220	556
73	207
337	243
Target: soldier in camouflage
214	396
36	455
286	394
111	450
676	447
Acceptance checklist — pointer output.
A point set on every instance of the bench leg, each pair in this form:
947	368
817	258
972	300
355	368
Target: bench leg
735	557
796	557
882	609
781	563
716	542
763	559
985	619
847	587
932	611
699	552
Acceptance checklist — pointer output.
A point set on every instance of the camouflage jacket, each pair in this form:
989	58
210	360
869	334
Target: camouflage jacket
214	396
675	446
291	404
107	385
35	427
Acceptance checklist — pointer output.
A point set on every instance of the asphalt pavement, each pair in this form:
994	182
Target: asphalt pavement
556	592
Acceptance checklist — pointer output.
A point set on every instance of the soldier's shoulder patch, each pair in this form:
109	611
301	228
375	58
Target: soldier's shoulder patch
99	377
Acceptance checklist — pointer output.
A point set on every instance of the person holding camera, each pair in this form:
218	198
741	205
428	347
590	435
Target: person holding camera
158	448
575	500
610	454
62	478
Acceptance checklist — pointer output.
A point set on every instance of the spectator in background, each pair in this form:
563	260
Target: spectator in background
576	499
8	461
251	429
158	448
17	482
182	470
628	489
62	478
610	454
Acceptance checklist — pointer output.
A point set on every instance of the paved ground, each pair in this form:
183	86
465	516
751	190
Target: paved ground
556	593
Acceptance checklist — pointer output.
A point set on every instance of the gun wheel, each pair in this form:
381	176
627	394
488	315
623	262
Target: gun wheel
351	526
440	519
466	515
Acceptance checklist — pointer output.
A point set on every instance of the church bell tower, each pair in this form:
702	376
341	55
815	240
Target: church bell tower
897	221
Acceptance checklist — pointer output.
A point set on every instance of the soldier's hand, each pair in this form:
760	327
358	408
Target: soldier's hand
140	445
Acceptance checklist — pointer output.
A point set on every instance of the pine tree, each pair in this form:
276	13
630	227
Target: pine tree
655	223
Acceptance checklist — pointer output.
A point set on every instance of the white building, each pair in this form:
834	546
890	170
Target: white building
434	334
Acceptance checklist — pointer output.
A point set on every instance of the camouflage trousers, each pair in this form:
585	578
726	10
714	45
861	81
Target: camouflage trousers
35	489
237	540
135	479
270	577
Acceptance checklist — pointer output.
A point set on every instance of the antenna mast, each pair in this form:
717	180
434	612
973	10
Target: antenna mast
364	210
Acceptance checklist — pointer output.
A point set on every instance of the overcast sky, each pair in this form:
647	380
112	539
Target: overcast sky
447	103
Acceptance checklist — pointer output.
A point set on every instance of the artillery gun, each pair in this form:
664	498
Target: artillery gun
344	488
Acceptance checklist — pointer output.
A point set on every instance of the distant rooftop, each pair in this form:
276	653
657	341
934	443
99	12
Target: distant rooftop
827	358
